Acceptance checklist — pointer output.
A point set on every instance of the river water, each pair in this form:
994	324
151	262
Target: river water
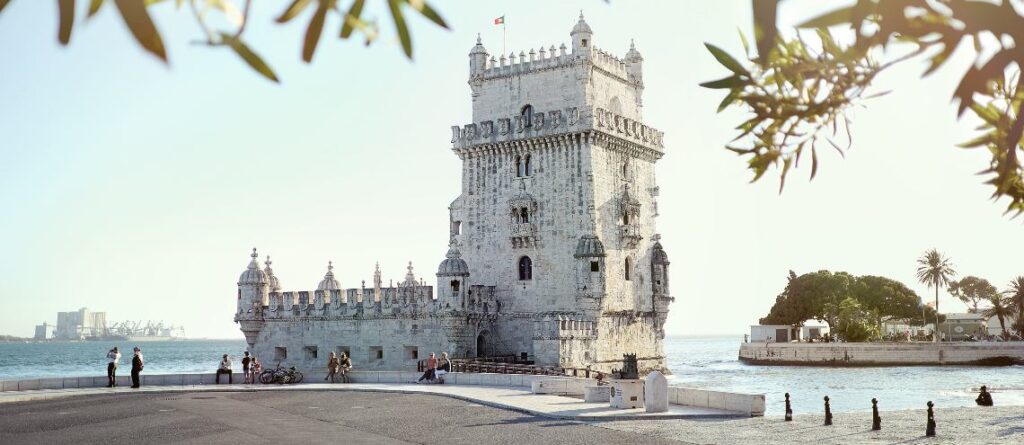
699	362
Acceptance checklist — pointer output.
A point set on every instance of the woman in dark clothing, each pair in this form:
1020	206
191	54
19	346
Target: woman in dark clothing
985	398
137	365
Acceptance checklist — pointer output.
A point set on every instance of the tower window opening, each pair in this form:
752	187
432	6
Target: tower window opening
625	217
526	166
527	113
519	166
455	285
595	266
583	43
524	215
629	267
525	269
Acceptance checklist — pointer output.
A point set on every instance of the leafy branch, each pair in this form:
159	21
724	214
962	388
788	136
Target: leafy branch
136	16
798	95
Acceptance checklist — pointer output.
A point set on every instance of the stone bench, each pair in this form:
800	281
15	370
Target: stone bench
565	386
597	393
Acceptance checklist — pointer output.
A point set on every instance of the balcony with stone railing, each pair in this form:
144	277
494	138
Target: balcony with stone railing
629	235
523	234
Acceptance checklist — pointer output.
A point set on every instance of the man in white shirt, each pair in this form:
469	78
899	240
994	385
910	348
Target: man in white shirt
113	357
225	368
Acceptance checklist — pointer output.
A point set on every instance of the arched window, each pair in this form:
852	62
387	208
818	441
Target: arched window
519	166
526	165
525	269
527	113
524	215
629	269
625	217
624	170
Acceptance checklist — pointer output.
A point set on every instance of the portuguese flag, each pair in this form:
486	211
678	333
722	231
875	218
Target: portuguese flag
499	20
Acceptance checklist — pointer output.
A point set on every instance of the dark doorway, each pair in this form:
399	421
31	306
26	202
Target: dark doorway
480	352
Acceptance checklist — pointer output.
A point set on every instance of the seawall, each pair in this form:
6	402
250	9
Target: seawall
883	354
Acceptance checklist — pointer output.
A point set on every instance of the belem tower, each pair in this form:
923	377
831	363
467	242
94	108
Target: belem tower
553	247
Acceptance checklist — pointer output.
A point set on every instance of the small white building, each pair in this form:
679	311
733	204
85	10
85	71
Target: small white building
995	328
960	326
771	333
814	330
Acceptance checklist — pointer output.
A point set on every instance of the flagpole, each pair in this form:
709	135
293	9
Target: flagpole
503	34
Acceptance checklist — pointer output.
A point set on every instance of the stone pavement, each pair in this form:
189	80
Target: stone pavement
290	417
511	398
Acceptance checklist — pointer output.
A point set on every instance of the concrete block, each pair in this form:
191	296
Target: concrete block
124	380
758	406
516	380
739	402
716	400
51	383
388	377
597	393
28	384
655	393
554	386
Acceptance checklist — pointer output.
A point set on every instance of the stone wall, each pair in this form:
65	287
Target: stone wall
882	354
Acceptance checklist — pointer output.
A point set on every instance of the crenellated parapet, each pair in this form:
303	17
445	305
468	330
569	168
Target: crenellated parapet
546	127
624	127
537	60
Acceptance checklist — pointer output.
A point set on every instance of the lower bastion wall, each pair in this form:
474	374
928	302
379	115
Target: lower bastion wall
882	354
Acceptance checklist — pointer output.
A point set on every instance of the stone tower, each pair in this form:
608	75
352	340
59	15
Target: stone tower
558	205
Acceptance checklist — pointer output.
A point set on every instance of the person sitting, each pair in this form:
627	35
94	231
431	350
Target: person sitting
346	365
430	373
985	398
444	366
224	368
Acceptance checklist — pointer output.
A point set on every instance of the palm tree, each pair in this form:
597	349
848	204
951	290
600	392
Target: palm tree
1002	308
1016	299
935	271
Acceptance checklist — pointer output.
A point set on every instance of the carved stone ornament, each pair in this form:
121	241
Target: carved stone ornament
574	115
503	126
456	133
488	128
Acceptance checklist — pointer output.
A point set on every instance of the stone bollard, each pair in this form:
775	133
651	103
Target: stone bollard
655	393
930	429
876	420
789	409
828	413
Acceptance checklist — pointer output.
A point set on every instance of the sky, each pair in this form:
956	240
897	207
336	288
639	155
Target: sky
139	189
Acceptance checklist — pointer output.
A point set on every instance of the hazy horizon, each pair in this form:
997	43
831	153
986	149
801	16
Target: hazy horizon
139	190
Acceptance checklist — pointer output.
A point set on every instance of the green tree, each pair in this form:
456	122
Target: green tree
136	15
800	86
854	323
1016	296
818	295
1002	308
972	290
935	271
808	297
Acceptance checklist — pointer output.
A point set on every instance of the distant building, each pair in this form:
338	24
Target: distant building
961	326
81	324
996	328
44	331
782	333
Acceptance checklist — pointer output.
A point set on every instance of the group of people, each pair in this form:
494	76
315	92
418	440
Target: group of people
338	367
114	358
251	368
436	370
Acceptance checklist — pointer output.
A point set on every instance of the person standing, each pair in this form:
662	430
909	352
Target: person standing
245	368
332	367
224	368
255	367
137	365
113	356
